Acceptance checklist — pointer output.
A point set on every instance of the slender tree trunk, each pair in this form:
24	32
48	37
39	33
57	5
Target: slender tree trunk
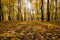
9	17
19	10
0	10
42	11
48	13
55	9
0	16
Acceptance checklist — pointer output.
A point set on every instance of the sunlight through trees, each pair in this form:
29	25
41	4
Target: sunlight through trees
26	10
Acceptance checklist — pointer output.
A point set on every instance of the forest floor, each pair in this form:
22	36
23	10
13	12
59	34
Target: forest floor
29	30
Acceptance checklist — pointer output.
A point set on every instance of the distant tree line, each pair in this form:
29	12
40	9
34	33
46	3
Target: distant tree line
41	10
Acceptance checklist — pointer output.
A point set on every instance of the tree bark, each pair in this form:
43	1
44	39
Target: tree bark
48	13
1	13
55	9
42	12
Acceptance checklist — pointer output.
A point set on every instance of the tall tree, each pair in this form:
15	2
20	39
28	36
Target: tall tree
55	9
1	13
0	10
19	10
42	10
48	13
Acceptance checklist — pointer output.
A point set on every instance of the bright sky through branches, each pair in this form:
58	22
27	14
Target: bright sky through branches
28	5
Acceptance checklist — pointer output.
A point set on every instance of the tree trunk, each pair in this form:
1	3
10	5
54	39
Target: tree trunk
19	10
55	9
0	10
48	13
42	11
